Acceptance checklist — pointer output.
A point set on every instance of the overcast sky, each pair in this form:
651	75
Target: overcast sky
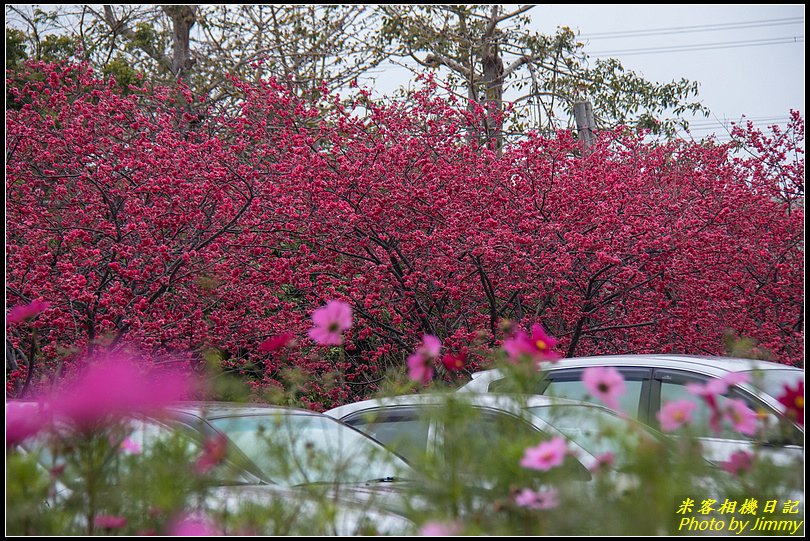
748	58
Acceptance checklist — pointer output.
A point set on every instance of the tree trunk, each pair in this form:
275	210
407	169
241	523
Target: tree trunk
183	18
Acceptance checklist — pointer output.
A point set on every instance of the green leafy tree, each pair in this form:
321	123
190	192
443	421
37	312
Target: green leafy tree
492	56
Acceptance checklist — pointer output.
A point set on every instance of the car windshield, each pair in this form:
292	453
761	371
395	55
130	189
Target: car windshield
596	430
300	449
773	382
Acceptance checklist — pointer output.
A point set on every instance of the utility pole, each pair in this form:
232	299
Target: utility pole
583	114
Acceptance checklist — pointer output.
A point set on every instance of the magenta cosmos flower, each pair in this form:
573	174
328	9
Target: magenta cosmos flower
793	400
331	321
274	343
23	420
738	462
193	526
710	392
604	461
420	362
114	387
676	414
541	499
604	383
21	312
546	455
539	346
110	522
437	528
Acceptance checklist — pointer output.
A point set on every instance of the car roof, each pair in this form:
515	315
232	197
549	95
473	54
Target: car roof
217	410
507	402
716	365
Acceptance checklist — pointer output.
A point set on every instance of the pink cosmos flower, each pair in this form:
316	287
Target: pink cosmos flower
604	461
110	522
676	414
546	455
130	447
274	343
113	387
605	383
542	499
23	420
439	528
538	346
192	526
214	452
718	386
739	462
22	312
743	418
420	362
331	321
711	390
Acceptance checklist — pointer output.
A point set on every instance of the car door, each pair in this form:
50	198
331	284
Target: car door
465	439
403	429
670	385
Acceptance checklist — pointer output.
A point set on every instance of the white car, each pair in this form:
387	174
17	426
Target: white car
652	380
293	461
423	425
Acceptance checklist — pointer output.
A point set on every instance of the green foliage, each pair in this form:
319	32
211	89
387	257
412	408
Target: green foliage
16	50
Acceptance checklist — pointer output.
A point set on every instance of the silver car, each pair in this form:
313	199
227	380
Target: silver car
285	459
416	426
652	380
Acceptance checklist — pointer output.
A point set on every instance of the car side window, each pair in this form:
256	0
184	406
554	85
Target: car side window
487	439
568	384
402	430
673	387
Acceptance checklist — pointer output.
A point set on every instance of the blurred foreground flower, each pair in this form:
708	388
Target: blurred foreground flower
793	400
454	362
437	528
21	312
675	414
546	455
23	420
743	418
740	461
420	362
192	526
110	522
604	383
214	451
541	499
330	322
538	346
114	387
274	343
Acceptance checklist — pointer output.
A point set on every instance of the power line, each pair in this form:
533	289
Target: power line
701	47
694	28
728	121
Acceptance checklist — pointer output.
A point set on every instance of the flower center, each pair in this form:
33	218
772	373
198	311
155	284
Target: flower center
540	344
799	402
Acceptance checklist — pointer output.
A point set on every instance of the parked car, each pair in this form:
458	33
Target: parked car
489	426
652	380
290	459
